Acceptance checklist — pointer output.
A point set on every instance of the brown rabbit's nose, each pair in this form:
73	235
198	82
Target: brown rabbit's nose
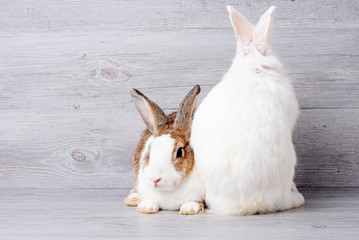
157	181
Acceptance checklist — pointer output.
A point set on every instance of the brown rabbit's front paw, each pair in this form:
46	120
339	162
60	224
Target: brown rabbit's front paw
148	206
132	199
192	208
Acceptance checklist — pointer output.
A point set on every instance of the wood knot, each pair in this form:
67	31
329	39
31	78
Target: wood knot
109	73
318	226
320	126
78	156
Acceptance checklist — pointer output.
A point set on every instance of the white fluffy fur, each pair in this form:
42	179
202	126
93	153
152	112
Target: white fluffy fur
160	164
173	190
241	136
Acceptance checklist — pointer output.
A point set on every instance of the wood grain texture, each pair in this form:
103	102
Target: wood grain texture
99	214
103	66
70	15
66	68
326	144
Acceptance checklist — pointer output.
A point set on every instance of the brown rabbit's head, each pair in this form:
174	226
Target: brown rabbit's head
167	157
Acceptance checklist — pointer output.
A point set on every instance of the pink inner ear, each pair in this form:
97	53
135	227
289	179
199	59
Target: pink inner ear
242	27
262	31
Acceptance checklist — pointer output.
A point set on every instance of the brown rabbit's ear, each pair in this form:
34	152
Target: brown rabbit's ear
186	109
151	113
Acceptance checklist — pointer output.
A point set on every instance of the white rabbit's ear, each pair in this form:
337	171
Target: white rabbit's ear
186	109
242	27
262	31
151	113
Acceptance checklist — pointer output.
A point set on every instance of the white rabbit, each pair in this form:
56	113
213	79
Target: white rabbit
242	131
166	177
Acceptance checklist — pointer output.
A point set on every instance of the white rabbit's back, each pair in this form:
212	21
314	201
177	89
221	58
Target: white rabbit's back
241	136
241	132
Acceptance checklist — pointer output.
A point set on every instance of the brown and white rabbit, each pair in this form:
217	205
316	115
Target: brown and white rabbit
166	177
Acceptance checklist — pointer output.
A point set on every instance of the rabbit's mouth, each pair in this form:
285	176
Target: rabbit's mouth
163	185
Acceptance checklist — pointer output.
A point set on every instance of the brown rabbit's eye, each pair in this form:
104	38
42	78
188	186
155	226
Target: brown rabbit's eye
179	152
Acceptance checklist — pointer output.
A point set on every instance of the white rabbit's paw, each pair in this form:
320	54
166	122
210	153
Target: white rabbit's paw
132	199
298	199
148	206
191	208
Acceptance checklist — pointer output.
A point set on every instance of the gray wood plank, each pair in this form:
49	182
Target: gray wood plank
327	147
38	151
94	214
69	15
83	68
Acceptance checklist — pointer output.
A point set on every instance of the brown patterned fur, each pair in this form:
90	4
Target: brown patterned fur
185	164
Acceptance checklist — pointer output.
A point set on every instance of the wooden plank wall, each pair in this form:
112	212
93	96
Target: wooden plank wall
66	67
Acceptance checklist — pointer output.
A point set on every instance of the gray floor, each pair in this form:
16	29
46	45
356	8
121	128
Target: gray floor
100	214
